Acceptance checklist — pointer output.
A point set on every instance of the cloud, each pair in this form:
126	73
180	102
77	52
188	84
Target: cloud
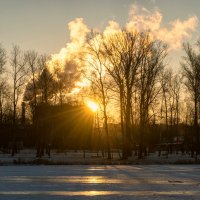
174	33
78	31
140	19
69	54
143	19
112	28
178	32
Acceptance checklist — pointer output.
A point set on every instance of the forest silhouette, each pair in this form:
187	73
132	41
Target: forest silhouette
139	105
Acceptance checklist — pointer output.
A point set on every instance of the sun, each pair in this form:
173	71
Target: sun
92	105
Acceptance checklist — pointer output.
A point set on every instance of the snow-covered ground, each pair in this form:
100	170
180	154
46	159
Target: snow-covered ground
100	182
76	157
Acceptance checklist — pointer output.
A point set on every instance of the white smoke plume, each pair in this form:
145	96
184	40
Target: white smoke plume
172	34
69	54
140	19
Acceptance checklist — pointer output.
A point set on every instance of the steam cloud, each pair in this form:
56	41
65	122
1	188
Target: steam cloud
139	19
68	55
173	34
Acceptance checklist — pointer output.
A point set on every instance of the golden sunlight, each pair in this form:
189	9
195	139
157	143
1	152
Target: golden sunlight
92	105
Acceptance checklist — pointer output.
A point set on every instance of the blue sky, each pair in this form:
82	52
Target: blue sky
42	24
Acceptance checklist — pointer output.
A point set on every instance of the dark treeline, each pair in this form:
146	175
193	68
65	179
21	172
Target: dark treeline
143	105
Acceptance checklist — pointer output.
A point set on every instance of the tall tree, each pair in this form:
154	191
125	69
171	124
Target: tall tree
127	54
2	59
19	75
171	95
165	80
32	65
46	83
3	83
124	54
148	79
5	100
99	81
191	72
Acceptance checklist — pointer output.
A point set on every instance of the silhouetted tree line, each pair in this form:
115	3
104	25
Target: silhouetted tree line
62	127
154	107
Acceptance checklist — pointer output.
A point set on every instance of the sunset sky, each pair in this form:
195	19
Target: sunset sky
43	24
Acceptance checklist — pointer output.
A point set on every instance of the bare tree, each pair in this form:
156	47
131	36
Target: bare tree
4	99
2	59
99	81
165	81
176	86
191	72
148	82
2	80
171	84
128	54
19	75
32	65
124	53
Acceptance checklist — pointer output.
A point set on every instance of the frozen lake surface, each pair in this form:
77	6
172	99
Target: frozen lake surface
100	182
